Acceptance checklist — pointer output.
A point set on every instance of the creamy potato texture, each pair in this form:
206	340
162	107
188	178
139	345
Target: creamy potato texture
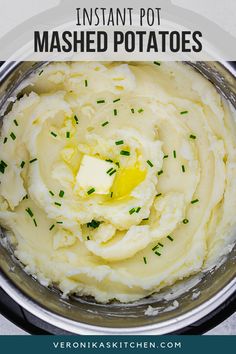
118	179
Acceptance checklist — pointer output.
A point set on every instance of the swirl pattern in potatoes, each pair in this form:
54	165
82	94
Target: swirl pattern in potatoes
118	179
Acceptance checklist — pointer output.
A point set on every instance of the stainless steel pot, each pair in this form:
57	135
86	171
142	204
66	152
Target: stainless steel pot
83	315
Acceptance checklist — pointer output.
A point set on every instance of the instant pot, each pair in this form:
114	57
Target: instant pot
40	309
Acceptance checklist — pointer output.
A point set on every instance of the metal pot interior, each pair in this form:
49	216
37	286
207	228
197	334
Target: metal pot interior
84	315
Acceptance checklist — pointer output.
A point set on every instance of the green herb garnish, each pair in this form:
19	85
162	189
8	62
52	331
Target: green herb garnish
159	172
94	224
119	142
192	136
51	193
16	123
194	201
157	63
35	223
149	163
131	211
117	100
86	83
88	238
51	227
29	211
158	195
174	154
138	209
101	101
90	191
165	156
185	221
61	194
104	124
54	134
76	119
170	238
3	165
158	253
33	160
125	153
58	204
132	110
184	112
67	135
183	168
40	73
140	110
12	135
5	140
110	169
115	112
145	260
160	244
22	164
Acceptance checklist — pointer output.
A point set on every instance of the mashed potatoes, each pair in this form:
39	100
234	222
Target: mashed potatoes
118	179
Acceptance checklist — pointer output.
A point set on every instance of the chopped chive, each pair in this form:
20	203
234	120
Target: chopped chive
35	223
12	135
160	244
90	191
51	193
165	156
192	136
16	123
115	112
111	194
174	154
149	163
5	140
155	248
51	227
109	160
29	211
117	100
185	221
112	172
157	63
194	201
104	124
58	204
131	211
68	135
61	194
94	224
40	73
158	195
2	167
22	164
31	161
88	238
125	153
59	222
145	260
3	163
145	219
76	119
158	254
110	169
54	134
101	101
140	110
170	238
25	197
183	168
184	112
132	110
117	164
119	142
138	209
86	83
160	172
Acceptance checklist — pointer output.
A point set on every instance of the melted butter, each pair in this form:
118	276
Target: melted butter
126	180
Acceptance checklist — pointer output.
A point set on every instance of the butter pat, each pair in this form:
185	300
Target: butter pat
95	173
